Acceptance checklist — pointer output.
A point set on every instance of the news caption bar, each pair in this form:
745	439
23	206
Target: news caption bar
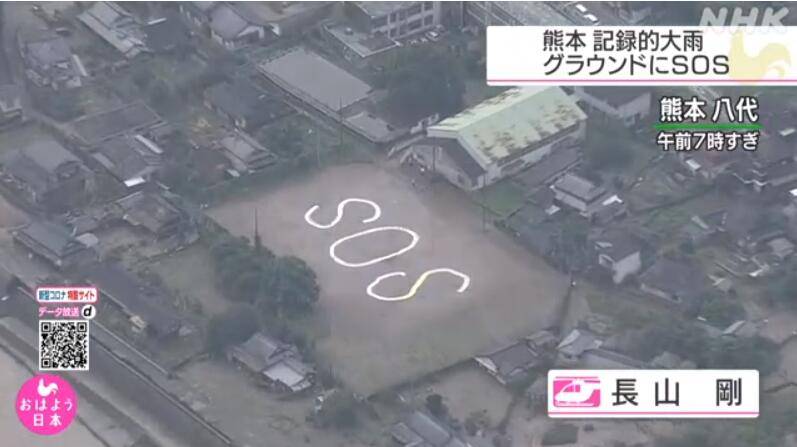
641	55
653	394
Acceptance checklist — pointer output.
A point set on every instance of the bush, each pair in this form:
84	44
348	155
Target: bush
339	411
561	434
435	405
230	328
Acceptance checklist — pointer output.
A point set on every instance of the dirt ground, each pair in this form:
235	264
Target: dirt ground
256	417
190	272
372	344
465	390
10	216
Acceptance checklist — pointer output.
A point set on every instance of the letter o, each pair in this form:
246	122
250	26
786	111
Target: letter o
415	239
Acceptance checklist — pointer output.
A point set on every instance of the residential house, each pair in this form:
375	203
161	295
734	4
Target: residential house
633	12
704	227
395	20
244	152
420	429
133	118
362	47
117	27
244	105
628	105
278	364
514	362
242	23
574	344
501	136
132	159
678	281
582	195
155	213
11	110
619	253
285	18
49	61
772	165
485	13
166	35
233	29
147	307
54	243
46	173
583	349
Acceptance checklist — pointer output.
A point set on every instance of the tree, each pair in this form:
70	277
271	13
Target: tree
426	82
293	286
607	146
744	353
784	291
234	326
286	141
339	411
435	405
721	311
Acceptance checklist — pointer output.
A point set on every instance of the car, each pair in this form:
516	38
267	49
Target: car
433	35
592	19
581	8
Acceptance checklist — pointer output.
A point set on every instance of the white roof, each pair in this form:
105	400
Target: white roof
510	122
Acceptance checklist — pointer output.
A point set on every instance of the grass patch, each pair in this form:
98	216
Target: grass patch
502	198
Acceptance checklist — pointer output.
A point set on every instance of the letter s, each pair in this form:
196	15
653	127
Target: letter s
309	219
370	290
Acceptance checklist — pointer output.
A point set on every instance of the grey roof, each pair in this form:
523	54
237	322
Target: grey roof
48	50
422	430
240	98
459	154
681	278
559	160
165	34
257	352
134	296
152	211
38	163
126	157
311	76
133	117
579	187
379	9
10	97
605	359
533	13
227	22
53	237
243	146
513	361
616	95
577	342
617	244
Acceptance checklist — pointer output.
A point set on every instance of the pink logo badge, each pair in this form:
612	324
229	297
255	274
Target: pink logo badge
46	404
576	392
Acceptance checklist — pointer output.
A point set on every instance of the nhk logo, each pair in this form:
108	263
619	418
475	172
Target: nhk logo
719	17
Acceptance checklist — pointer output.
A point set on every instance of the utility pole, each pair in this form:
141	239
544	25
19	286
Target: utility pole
484	206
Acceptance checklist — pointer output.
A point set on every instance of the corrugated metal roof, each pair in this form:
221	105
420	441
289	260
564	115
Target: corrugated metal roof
511	122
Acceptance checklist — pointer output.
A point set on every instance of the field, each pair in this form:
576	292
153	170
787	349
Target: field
382	328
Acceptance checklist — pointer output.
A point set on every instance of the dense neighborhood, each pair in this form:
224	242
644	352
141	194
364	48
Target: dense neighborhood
173	154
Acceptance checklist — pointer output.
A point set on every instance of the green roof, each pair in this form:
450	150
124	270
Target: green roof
511	122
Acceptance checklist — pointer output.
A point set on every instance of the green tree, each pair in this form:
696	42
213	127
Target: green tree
292	284
286	141
424	82
744	353
234	326
784	291
721	311
339	411
436	406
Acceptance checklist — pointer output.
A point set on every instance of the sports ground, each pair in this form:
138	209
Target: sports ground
410	282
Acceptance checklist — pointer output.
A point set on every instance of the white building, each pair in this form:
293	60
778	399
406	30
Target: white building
619	253
579	193
501	136
395	19
628	105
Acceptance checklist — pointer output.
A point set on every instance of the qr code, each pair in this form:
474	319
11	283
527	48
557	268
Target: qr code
63	345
